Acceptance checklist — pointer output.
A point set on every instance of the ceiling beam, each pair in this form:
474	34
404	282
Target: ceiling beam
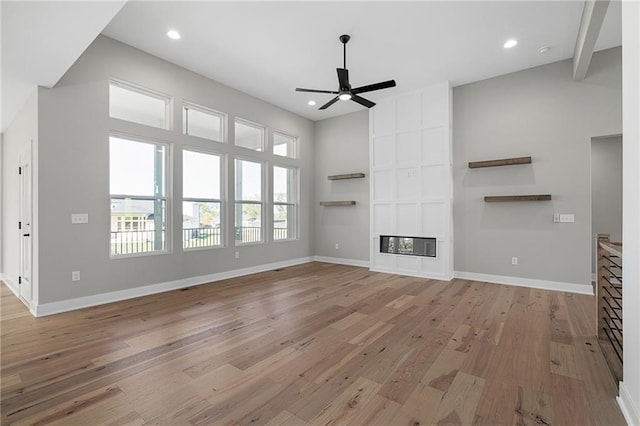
592	17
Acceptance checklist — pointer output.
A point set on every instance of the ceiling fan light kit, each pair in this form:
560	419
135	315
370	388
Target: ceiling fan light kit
345	92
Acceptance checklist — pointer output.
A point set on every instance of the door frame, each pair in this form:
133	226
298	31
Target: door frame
25	228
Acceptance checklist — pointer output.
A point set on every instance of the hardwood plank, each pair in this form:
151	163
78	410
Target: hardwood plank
532	408
348	404
458	405
294	346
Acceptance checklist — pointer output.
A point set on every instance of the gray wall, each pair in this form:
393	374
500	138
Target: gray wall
540	113
606	190
342	146
74	174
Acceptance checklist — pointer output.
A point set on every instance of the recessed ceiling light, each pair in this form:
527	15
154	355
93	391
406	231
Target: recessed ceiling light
510	43
544	49
311	102
173	34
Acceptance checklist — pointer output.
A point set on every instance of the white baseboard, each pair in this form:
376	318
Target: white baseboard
526	282
115	296
341	261
630	410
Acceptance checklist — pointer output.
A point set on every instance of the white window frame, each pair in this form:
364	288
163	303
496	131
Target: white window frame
186	106
295	193
261	127
261	203
296	144
168	100
166	198
221	200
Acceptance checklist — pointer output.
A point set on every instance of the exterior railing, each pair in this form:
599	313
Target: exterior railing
609	297
201	237
130	242
280	233
248	234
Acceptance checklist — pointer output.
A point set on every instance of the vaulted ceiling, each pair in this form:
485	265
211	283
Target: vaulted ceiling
267	49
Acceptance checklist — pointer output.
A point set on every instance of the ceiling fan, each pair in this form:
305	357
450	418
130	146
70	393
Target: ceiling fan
345	92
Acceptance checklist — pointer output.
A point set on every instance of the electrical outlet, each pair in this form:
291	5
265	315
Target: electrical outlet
337	246
79	218
75	275
556	217
237	255
514	260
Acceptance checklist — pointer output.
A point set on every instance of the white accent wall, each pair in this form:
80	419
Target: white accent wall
411	179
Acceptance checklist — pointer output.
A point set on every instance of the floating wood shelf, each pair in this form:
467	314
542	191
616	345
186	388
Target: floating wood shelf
503	162
506	198
346	176
337	203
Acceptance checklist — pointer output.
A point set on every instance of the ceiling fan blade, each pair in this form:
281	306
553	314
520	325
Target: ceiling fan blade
328	104
362	101
316	91
343	78
375	86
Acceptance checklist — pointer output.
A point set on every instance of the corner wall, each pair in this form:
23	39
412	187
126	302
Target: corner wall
542	113
341	147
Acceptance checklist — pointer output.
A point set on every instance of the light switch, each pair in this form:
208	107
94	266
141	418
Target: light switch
567	218
79	218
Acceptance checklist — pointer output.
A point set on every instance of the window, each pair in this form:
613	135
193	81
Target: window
203	122
284	145
248	201
141	106
249	135
138	181
201	201
285	192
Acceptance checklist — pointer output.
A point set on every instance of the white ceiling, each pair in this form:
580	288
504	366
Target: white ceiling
267	49
41	40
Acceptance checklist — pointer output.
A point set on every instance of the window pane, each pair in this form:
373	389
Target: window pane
135	105
249	136
137	226
284	145
248	180
200	175
282	184
202	124
248	223
201	224
284	222
136	168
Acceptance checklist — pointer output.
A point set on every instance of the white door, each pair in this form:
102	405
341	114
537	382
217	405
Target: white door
25	226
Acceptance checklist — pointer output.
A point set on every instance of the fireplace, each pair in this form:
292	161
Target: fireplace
411	246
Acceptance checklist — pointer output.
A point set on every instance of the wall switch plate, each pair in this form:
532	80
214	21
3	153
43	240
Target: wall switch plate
514	260
567	218
75	275
556	217
79	218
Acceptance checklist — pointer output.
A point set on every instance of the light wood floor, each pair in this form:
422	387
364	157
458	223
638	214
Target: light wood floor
312	344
